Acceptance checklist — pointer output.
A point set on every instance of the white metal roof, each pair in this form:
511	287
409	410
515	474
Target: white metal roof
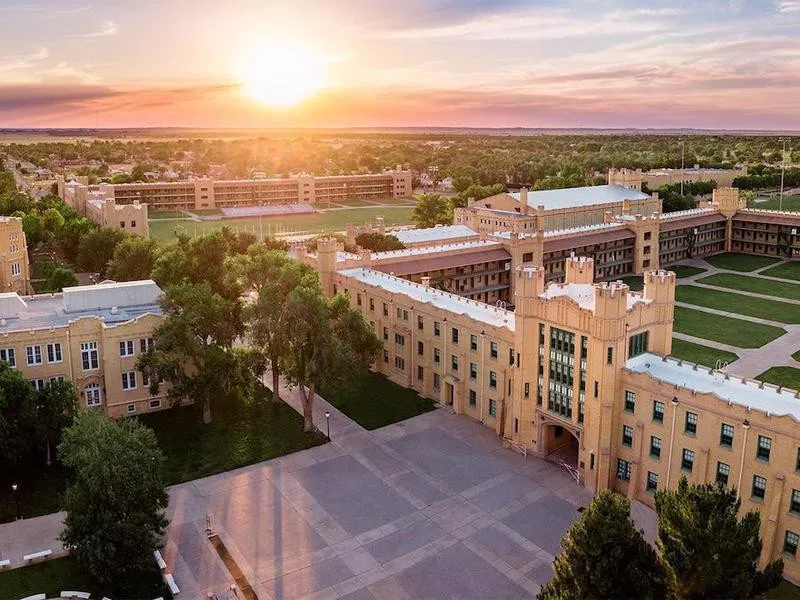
453	303
582	229
748	393
432	234
583	294
581	196
111	295
421	250
11	304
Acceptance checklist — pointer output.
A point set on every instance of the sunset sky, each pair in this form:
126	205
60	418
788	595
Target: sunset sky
494	63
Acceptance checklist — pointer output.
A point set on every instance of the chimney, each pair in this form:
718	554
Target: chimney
426	281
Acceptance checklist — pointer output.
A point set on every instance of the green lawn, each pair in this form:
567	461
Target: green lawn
788	270
772	310
242	433
784	376
790	203
796	356
374	401
40	489
753	284
784	591
333	220
53	576
165	214
725	330
702	355
740	262
635	282
685	270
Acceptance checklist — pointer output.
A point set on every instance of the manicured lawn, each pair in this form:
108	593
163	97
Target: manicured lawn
702	355
753	284
773	310
726	330
740	262
685	270
40	492
788	270
796	355
784	591
53	576
242	433
374	401
784	376
333	220
165	214
790	203
635	282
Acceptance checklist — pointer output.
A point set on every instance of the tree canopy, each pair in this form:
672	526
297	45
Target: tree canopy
431	210
133	259
378	242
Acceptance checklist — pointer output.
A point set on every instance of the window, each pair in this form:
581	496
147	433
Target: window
687	460
57	378
527	389
726	435
454	335
610	355
797	462
436	355
473	371
420	322
492	379
723	470
510	357
630	402
473	398
420	349
655	446
385	310
38	384
794	503
92	394
155	403
638	344
759	487
623	470
437	328
436	381
131	408
690	426
790	542
386	356
493	349
122	224
473	342
454	362
399	363
372	305
145	344
15	269
54	352
420	373
7	355
89	356
399	339
627	435
492	408
596	389
34	355
652	482
385	334
129	380
358	299
658	411
126	348
764	448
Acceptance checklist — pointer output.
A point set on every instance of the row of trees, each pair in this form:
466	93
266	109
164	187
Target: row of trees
704	550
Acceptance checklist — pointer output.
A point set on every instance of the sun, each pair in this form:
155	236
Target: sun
281	74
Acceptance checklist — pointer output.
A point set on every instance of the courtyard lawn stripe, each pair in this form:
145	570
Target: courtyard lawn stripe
771	310
726	330
788	377
685	270
756	285
787	270
699	354
732	261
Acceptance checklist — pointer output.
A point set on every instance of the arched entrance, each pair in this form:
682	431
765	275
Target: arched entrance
558	443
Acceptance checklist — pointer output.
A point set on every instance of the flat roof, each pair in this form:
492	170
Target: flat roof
748	393
432	234
485	313
583	294
422	250
581	196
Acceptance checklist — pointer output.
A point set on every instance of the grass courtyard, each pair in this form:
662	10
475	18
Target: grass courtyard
772	310
784	376
790	203
333	220
374	401
732	261
636	282
756	285
725	330
702	355
787	270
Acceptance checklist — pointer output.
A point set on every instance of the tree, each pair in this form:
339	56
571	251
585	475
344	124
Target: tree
96	249
33	226
712	552
134	259
604	556
17	419
328	342
71	235
431	210
378	242
116	501
55	409
60	278
478	192
192	347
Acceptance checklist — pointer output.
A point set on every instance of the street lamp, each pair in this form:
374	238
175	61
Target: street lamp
14	488
328	421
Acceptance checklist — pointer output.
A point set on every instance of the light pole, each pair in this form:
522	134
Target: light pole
328	422
14	488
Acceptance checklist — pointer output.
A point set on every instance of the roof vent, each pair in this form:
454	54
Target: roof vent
114	310
3	322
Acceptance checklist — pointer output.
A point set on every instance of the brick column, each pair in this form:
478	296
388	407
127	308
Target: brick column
770	530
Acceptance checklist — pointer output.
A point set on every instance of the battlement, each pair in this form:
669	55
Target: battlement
579	269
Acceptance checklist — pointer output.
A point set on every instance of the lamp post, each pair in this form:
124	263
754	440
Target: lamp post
14	488
328	422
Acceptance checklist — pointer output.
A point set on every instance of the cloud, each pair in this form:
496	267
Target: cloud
789	6
23	60
107	29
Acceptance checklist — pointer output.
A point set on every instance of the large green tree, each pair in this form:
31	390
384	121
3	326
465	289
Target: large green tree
431	210
328	342
713	553
605	556
18	427
96	249
115	503
55	409
134	259
378	242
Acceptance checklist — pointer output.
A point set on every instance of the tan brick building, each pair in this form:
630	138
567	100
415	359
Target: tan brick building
14	268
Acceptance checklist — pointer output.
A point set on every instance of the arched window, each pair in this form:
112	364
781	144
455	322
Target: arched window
93	394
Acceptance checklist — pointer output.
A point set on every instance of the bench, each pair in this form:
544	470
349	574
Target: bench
173	587
160	560
36	597
35	555
4	563
70	594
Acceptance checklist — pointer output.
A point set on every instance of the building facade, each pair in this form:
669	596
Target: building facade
88	335
15	274
657	177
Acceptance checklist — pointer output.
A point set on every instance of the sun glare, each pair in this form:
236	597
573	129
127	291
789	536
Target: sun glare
282	74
